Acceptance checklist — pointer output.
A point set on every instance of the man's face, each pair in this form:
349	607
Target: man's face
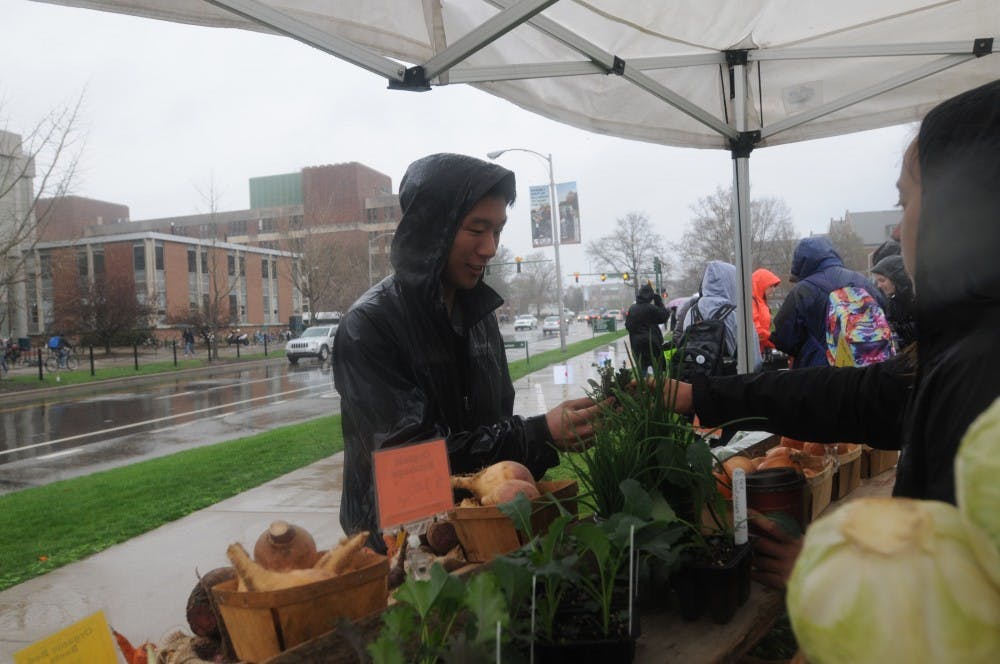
475	243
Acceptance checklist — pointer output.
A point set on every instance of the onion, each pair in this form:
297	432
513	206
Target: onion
884	580
814	449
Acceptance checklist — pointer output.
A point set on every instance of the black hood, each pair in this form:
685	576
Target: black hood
891	267
435	194
645	293
957	276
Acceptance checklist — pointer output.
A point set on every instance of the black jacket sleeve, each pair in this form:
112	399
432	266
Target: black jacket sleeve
821	404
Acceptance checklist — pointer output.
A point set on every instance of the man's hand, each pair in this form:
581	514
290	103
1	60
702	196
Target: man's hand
571	423
774	551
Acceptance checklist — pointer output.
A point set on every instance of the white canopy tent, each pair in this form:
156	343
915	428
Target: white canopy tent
687	73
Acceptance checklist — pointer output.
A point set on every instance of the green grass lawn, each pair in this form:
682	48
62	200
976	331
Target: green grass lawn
50	526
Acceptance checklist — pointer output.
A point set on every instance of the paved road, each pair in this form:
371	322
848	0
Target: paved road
57	437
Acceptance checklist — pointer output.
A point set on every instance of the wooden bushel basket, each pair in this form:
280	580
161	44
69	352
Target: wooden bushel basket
821	485
875	462
262	624
485	532
848	474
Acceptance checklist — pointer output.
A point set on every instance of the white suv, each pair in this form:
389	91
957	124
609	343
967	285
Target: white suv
314	342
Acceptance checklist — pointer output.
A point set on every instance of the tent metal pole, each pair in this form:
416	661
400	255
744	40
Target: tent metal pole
482	35
283	24
866	93
745	334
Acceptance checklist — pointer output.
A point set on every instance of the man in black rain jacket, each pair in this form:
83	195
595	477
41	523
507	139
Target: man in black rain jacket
643	325
419	356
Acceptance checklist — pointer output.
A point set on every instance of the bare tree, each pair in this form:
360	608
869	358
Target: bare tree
849	245
332	268
631	247
535	287
710	236
37	164
221	272
103	311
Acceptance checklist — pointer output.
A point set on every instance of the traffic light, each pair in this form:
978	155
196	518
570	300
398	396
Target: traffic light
604	277
625	276
518	259
576	277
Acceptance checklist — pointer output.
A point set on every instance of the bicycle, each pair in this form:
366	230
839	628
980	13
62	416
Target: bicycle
70	363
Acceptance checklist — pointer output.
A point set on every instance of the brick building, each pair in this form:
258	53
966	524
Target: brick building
250	287
265	258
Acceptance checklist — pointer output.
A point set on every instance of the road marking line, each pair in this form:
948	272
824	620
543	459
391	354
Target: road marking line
53	455
155	419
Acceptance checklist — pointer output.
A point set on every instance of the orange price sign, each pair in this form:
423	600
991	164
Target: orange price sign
412	482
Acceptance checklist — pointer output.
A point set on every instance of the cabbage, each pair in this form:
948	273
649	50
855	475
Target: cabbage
888	580
977	472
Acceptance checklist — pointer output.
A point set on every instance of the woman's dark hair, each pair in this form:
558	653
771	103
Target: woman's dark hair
958	151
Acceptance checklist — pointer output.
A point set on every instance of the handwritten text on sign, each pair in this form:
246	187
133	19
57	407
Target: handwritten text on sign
413	482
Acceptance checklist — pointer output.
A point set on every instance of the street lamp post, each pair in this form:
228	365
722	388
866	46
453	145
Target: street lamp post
371	241
556	234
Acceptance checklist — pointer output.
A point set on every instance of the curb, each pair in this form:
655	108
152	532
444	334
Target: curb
36	393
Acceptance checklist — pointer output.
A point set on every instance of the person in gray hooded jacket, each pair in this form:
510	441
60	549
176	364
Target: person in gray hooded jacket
718	289
419	356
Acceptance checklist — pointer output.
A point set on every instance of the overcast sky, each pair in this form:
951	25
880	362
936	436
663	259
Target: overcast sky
170	108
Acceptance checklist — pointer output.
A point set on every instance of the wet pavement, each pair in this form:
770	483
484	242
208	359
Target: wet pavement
142	585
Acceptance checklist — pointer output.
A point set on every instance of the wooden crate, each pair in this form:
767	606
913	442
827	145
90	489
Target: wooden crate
821	485
263	624
485	532
847	476
875	462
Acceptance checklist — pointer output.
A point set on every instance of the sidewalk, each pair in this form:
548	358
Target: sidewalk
142	585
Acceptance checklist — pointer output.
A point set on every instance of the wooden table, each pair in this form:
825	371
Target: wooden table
666	637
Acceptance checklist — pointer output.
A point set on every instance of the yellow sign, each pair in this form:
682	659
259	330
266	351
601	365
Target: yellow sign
85	642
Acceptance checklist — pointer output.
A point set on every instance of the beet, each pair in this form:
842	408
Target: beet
441	537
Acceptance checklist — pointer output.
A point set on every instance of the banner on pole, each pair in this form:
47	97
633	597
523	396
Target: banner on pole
569	213
541	215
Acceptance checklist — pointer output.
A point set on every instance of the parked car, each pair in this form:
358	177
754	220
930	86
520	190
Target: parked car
314	342
525	323
550	325
613	313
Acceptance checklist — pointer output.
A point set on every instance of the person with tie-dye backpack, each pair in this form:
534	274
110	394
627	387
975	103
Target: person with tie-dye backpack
833	316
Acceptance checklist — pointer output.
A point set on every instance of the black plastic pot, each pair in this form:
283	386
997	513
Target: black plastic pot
713	588
589	651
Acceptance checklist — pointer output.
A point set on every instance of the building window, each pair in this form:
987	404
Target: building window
139	257
243	270
192	261
263	270
233	311
274	269
231	264
81	262
97	254
295	222
265	225
238	227
158	254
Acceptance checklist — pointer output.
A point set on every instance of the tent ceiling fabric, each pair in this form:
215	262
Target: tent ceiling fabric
796	59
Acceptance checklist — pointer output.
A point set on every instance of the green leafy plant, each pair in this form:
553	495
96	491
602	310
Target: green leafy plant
588	560
442	619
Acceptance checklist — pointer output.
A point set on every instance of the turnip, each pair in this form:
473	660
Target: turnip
488	479
507	491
